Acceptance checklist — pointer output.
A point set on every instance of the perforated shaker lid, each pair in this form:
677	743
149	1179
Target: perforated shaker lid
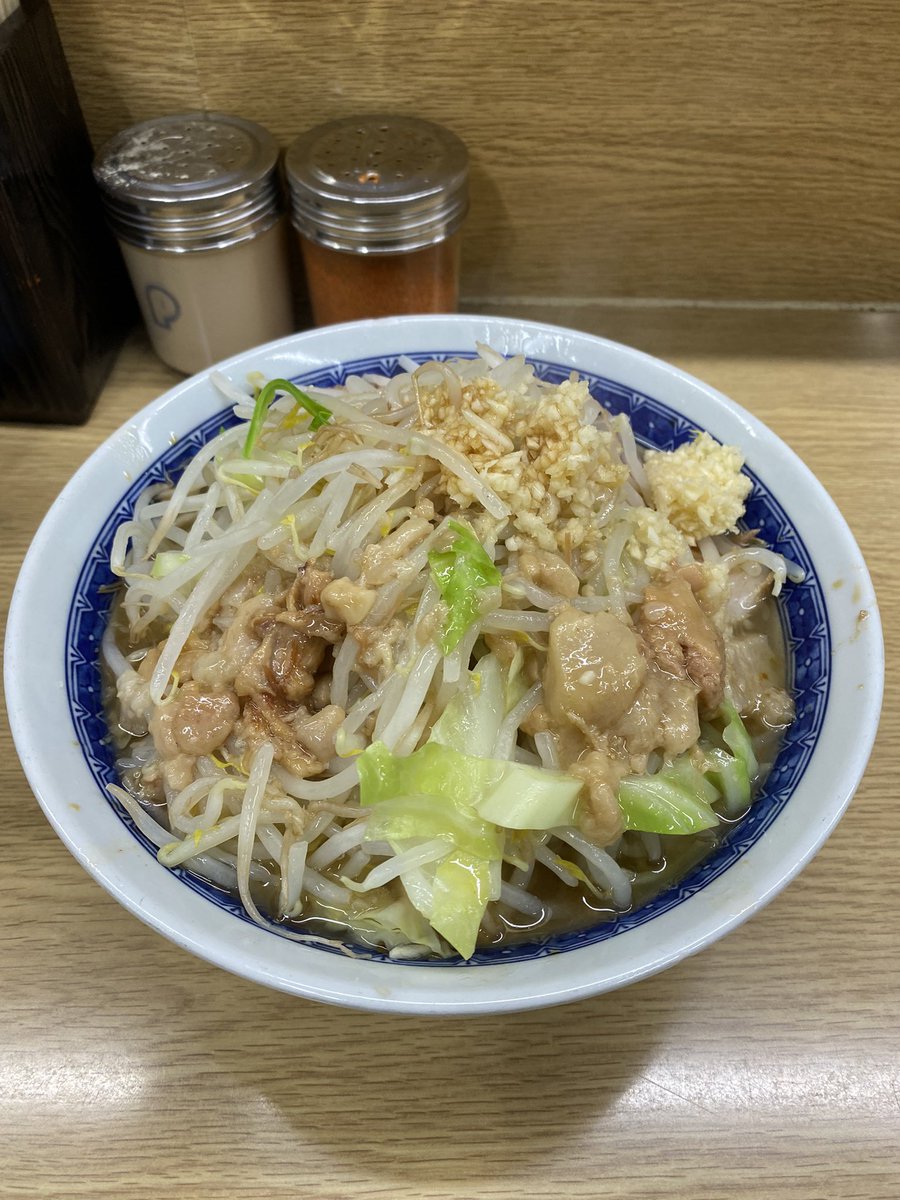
378	184
191	181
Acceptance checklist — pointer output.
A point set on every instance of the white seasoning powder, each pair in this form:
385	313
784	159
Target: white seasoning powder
194	201
203	306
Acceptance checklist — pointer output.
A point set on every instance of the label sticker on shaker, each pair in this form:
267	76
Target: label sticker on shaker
164	308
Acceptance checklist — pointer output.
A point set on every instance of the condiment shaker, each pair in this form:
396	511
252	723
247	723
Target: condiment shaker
378	202
194	200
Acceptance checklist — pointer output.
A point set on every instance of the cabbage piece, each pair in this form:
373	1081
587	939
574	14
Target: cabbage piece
166	561
683	772
731	777
425	795
462	889
471	721
528	797
461	573
662	804
466	793
452	895
399	924
679	798
729	760
438	792
432	770
737	739
428	794
405	820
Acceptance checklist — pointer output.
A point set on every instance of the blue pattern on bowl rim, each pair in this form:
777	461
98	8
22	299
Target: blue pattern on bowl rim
803	614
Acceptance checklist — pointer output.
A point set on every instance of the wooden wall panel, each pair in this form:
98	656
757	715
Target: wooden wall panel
700	149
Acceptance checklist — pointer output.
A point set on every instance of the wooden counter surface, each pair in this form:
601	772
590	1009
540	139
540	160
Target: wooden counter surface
765	1067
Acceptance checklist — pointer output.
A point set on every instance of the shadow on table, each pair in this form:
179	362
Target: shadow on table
405	1100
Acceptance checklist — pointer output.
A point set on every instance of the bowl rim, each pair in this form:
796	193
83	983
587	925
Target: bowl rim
149	890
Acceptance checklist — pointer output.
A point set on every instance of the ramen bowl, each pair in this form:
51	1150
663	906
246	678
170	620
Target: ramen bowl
835	665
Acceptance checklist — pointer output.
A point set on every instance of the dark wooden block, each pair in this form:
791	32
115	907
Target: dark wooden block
65	300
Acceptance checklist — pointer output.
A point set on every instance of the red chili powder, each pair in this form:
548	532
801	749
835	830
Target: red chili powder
344	286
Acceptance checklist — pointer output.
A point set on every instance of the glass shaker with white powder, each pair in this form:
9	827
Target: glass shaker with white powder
194	202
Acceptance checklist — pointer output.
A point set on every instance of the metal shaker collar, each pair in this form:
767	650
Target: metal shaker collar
378	183
190	181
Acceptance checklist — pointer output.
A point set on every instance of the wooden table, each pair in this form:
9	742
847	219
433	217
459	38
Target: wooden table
765	1067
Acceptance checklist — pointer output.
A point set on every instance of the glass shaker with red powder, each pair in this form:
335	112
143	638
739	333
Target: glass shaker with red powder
377	203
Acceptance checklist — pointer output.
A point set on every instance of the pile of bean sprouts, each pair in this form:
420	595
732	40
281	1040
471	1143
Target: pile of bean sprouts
323	495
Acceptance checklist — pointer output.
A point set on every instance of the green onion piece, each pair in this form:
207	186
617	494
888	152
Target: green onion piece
319	413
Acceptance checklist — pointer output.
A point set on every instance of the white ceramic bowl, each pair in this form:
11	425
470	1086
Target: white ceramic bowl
53	687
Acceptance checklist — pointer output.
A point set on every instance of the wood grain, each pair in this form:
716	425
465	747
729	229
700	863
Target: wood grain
679	148
766	1067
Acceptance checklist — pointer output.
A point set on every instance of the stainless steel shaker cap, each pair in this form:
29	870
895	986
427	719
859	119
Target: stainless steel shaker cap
378	184
191	181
